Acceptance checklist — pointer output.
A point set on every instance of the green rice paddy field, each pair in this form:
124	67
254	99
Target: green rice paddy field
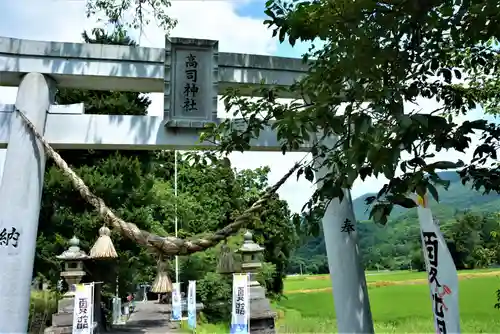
399	301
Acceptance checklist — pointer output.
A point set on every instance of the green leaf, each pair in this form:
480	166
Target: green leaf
446	74
405	202
269	13
420	189
433	191
300	171
405	121
434	64
422	120
226	162
364	172
352	175
370	199
309	174
376	213
337	125
403	166
380	213
362	123
388	171
281	36
348	109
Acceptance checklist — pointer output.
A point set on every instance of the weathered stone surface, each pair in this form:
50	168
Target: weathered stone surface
66	329
262	326
262	317
122	68
66	305
191	80
21	191
59	330
62	319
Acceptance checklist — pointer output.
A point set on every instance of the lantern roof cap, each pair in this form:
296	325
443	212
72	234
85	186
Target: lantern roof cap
249	246
73	252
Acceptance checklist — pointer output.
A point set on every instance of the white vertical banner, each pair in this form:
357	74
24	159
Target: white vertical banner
191	305
117	310
176	302
83	312
240	314
441	271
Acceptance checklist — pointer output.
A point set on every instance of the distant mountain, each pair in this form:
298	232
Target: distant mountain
395	244
457	198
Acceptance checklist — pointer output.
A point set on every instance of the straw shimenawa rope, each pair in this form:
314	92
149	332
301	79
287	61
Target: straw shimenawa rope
166	245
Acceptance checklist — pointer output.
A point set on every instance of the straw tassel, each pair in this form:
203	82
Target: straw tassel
103	247
226	263
162	283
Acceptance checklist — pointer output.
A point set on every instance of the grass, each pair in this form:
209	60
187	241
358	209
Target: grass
401	308
311	282
42	305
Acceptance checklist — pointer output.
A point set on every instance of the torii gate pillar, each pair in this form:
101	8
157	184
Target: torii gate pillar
21	194
350	293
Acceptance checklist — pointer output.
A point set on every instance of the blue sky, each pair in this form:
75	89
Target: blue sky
255	9
237	24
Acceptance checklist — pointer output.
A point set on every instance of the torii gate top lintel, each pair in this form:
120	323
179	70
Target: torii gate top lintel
190	72
129	68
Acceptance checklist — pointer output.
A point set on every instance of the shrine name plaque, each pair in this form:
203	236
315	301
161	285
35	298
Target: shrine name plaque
191	78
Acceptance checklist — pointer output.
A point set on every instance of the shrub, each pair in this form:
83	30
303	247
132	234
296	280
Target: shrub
214	291
266	278
42	305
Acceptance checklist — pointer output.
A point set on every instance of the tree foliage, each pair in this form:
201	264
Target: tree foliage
132	14
278	236
468	219
374	60
472	239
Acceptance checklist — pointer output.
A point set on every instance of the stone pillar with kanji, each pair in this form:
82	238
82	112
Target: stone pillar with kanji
262	317
73	258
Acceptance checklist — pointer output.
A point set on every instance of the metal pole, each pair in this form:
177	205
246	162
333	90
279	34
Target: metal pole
175	219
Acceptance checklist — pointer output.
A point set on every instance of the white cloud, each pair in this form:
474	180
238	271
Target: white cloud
295	192
216	20
60	21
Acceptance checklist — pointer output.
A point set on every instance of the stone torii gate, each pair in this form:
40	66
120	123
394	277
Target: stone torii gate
190	73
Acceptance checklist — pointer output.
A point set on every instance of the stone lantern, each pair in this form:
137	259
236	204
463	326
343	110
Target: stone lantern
73	259
261	316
